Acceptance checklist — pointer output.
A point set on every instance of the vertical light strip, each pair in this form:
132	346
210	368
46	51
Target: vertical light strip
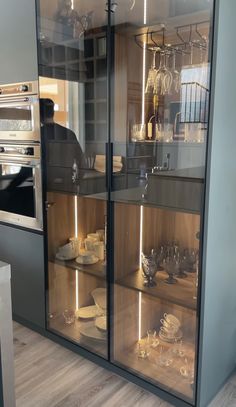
76	271
140	265
145	12
72	4
139	315
143	84
76	215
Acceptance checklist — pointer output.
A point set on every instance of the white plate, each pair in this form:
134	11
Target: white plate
81	260
87	312
63	258
101	323
91	332
100	297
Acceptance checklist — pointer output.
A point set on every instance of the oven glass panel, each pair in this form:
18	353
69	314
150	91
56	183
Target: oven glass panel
17	189
16	118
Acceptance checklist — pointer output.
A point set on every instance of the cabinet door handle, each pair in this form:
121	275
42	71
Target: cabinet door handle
48	205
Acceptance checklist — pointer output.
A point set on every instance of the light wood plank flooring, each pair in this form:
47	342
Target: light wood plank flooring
47	375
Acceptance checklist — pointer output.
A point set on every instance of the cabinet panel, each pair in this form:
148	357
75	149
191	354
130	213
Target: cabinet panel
161	93
18	46
25	252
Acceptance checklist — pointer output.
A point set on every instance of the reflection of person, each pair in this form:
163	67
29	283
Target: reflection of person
61	145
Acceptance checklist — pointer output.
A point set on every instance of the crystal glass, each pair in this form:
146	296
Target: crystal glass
138	132
152	338
165	358
171	266
143	349
149	267
69	316
187	371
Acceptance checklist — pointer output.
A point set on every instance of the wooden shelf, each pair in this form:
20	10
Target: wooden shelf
72	332
180	293
168	378
97	270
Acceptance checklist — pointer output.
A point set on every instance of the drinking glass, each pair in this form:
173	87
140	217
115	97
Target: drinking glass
151	75
163	80
187	371
165	358
143	349
152	338
176	75
69	316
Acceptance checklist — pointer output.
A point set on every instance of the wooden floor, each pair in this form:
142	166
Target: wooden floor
47	375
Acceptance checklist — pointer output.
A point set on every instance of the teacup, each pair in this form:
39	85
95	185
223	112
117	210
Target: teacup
167	334
76	242
169	327
172	320
89	242
94	236
101	233
98	248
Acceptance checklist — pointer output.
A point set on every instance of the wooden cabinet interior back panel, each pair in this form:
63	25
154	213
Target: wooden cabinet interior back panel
61	221
86	284
91	215
135	313
126	239
61	218
162	226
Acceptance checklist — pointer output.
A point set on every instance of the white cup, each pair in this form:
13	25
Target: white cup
98	248
101	233
89	242
76	243
94	236
172	320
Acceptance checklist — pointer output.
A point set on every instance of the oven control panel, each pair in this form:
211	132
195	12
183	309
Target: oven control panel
17	150
18	89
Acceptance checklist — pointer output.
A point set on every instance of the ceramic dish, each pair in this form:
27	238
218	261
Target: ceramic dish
171	339
64	258
100	297
87	312
101	323
91	332
87	261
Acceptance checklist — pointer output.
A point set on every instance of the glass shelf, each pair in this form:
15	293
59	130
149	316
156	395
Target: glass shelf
182	293
97	270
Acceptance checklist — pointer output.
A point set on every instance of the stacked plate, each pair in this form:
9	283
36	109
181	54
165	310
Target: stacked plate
170	330
97	328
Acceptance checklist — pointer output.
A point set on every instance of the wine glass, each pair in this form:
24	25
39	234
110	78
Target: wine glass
171	266
176	75
149	267
163	80
151	75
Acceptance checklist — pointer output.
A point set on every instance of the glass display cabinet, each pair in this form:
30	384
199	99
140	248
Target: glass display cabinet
125	93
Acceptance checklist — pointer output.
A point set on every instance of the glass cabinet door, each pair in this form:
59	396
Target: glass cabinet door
72	37
160	93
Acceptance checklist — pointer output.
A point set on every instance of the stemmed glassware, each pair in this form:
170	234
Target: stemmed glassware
151	75
164	78
171	266
149	267
176	75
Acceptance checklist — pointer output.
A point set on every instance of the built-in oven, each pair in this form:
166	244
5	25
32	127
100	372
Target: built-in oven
21	185
19	112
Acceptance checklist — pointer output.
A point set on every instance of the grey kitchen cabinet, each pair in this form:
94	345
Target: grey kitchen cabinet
23	250
18	46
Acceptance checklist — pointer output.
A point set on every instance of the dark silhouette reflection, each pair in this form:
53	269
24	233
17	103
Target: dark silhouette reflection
63	156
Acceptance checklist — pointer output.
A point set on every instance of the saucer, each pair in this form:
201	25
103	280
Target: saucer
81	260
64	258
101	323
171	339
87	312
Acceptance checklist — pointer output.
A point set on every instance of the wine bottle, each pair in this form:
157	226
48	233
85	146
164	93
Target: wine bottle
154	119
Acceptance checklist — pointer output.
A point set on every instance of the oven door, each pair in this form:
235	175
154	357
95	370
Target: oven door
19	118
21	193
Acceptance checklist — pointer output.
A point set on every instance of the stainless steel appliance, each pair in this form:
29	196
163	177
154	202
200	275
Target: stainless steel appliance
19	112
20	185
